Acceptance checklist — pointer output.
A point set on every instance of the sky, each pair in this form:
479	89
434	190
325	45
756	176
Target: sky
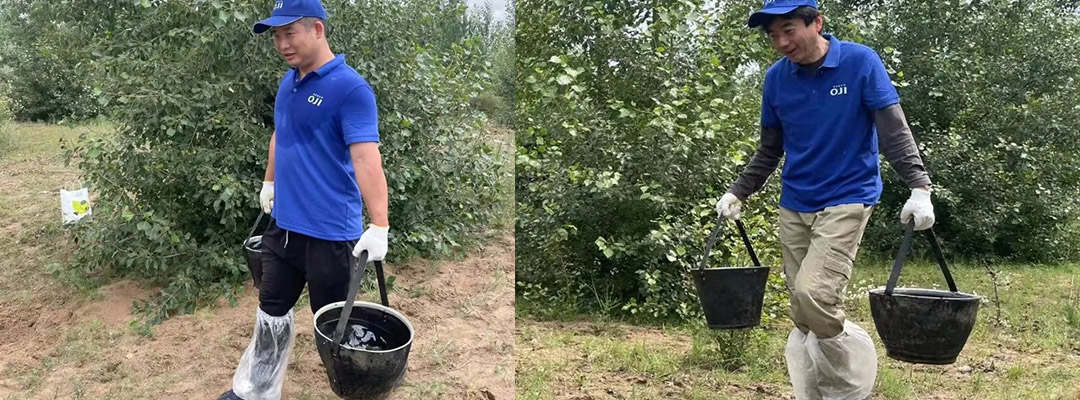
498	6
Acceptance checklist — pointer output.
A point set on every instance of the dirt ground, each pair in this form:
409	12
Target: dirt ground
57	343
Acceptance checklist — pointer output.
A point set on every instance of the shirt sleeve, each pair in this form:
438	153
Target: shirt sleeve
899	146
762	164
768	113
359	116
878	91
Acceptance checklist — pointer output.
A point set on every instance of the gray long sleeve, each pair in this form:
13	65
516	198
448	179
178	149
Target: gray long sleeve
899	147
762	164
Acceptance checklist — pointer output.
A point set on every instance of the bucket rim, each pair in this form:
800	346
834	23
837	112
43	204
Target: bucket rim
902	292
380	307
732	268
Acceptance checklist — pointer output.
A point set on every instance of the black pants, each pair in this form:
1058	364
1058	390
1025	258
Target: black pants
291	260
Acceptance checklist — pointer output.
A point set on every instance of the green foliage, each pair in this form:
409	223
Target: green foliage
6	115
192	89
490	104
50	76
503	65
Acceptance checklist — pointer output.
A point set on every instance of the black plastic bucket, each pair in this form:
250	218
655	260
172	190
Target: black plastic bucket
253	254
923	326
731	297
359	373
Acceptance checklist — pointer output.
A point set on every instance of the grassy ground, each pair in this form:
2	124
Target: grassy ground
1030	351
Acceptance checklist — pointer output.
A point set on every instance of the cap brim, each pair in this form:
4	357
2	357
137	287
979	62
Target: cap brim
758	18
271	22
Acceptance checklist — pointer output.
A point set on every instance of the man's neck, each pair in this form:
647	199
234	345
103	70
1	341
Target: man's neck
823	50
324	57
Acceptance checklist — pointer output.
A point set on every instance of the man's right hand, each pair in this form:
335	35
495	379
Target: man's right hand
728	206
266	196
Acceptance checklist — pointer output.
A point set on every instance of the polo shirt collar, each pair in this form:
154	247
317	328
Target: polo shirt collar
325	68
832	55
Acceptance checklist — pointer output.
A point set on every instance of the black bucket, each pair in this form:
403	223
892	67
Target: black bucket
253	252
363	373
731	297
923	326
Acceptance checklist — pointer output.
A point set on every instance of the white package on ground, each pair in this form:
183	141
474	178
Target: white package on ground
74	204
843	367
261	373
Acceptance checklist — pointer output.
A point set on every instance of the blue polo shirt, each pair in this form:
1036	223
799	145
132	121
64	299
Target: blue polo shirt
830	142
316	119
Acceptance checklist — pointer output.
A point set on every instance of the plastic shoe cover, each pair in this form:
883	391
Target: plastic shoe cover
800	367
845	365
261	373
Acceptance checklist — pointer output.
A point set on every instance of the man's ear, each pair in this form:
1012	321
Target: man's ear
320	30
819	23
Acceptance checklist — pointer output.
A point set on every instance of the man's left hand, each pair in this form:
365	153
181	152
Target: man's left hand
918	207
373	241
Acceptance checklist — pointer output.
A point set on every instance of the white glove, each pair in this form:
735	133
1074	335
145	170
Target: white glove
266	196
728	206
919	207
373	241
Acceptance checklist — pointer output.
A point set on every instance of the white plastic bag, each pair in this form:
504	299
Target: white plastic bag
74	205
261	372
843	367
801	367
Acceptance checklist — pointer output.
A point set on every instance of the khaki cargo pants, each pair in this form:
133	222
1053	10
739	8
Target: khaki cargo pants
819	251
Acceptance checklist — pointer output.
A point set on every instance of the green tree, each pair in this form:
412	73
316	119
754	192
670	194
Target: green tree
50	79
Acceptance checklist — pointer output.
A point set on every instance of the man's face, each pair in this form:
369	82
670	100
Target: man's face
296	42
795	39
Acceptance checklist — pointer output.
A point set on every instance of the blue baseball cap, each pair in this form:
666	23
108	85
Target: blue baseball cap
777	7
289	11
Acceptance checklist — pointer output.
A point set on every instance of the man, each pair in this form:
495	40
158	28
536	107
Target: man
325	158
825	106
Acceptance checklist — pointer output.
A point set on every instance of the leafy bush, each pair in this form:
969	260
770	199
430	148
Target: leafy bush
193	91
7	76
50	78
490	104
504	56
6	116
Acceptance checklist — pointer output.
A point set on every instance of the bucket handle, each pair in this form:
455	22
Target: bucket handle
359	269
243	247
909	230
256	225
712	241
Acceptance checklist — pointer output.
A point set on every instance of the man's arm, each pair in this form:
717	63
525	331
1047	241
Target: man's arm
899	147
762	165
367	163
